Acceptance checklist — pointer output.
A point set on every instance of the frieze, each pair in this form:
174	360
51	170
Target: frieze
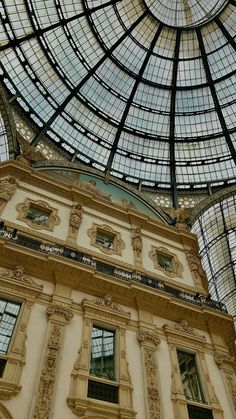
105	302
18	274
183	327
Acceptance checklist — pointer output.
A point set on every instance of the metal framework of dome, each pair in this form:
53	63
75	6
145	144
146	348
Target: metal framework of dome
144	90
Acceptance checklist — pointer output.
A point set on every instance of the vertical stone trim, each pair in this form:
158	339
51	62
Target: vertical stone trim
58	318
225	363
213	399
149	341
8	187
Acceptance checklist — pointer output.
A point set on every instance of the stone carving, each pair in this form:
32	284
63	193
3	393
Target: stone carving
195	265
180	216
18	274
105	302
231	383
75	220
91	187
148	336
152	386
221	358
60	310
183	326
29	153
47	380
137	242
7	190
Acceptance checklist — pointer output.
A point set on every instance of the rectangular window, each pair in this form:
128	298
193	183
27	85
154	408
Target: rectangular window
105	239
38	215
190	378
102	361
8	315
165	262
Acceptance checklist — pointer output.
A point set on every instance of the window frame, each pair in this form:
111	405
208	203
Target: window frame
118	243
104	313
16	287
180	336
23	209
198	374
177	268
20	303
105	328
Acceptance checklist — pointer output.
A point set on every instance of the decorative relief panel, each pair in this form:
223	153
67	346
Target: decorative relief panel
106	239
8	187
149	341
58	318
38	214
173	267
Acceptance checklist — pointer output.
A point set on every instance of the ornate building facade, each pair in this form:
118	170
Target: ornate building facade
105	311
117	135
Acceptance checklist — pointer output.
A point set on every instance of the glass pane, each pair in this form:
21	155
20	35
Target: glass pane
8	316
102	353
104	239
189	375
165	262
38	215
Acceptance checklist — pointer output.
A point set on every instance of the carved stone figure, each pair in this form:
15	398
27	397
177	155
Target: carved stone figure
75	220
137	242
29	152
147	336
7	190
91	187
180	216
195	265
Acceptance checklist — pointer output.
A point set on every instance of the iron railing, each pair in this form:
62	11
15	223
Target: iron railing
107	269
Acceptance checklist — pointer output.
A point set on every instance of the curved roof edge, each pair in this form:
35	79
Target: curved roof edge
210	201
141	196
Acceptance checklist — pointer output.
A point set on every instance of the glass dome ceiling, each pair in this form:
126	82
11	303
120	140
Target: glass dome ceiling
144	90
